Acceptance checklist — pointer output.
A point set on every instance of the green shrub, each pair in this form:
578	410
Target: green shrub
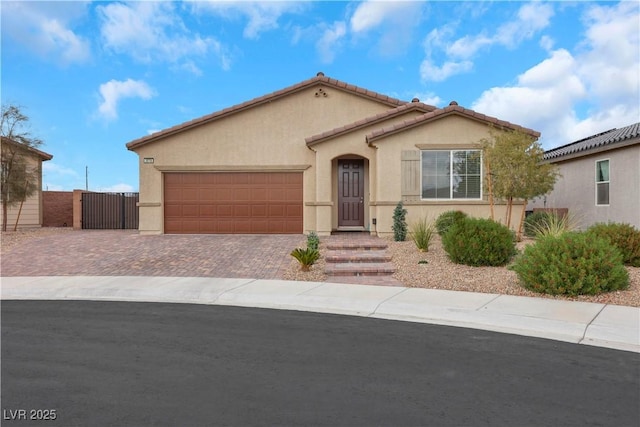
421	233
447	219
478	242
399	223
571	264
624	237
532	222
313	241
306	257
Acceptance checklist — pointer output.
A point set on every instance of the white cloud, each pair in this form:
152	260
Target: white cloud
611	57
261	16
153	31
329	43
50	168
45	28
429	98
543	95
371	14
531	18
113	91
432	72
394	20
117	188
571	96
53	172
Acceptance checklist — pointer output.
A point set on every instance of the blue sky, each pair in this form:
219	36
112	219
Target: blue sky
93	76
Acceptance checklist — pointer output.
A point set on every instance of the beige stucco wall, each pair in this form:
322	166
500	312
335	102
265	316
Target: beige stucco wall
270	136
31	212
576	188
450	132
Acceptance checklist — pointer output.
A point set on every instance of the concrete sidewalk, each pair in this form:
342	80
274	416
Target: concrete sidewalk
601	325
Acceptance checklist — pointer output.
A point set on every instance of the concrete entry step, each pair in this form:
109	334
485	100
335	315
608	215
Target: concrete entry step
360	269
345	256
357	245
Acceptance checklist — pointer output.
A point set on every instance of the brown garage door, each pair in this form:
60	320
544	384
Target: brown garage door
233	202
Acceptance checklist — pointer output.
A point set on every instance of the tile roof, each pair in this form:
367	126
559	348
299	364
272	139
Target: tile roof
610	139
394	112
452	108
44	156
319	79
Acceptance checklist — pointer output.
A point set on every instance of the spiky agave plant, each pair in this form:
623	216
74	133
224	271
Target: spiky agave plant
422	232
554	224
306	257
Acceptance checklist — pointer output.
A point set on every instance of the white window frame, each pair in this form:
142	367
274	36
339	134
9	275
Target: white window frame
602	182
450	198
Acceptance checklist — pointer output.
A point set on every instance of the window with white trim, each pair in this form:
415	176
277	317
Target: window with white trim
602	182
452	174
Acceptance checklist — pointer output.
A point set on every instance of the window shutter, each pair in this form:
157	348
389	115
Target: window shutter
410	175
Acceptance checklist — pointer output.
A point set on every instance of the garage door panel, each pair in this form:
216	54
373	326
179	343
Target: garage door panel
222	195
207	211
229	202
242	211
294	211
259	211
190	179
293	194
259	194
242	194
242	226
260	179
276	211
294	179
189	195
277	194
207	227
224	211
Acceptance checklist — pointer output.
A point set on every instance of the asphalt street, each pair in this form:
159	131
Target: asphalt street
142	364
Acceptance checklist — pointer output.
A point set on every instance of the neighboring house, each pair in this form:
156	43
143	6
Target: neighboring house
600	178
321	155
31	209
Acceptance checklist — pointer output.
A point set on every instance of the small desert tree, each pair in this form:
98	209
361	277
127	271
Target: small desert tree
18	178
515	169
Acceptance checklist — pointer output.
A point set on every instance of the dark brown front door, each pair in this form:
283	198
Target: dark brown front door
350	193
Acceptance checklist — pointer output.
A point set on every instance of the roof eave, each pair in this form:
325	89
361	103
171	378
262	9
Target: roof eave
369	121
593	150
43	156
446	112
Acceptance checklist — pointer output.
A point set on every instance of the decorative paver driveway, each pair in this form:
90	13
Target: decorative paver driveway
126	253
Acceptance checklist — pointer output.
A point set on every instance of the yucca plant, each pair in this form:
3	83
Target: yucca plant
422	232
555	225
306	257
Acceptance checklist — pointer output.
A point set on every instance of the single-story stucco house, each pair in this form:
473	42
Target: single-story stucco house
30	210
600	178
320	155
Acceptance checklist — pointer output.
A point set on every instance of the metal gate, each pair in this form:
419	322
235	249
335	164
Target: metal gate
109	211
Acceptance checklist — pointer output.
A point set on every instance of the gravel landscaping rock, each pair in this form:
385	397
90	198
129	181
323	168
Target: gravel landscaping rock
440	273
